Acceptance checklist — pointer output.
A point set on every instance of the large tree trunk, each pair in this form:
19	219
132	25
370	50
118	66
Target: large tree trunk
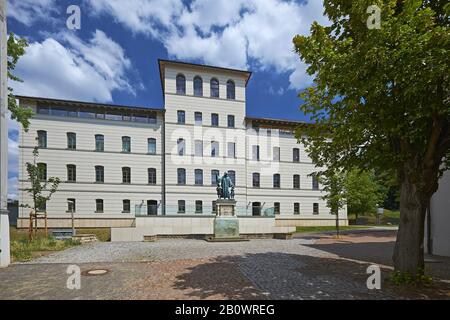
409	251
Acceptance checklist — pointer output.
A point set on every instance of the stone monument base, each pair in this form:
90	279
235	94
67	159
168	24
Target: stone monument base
226	224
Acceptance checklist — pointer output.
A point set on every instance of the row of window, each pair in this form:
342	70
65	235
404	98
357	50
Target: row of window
198	119
275	154
181	144
198	87
99	142
181	176
96	113
152	207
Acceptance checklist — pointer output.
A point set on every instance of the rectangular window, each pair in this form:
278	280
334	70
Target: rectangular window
198	148
230	121
181	117
151	146
181	206
296	155
181	176
42	139
232	175
315	183
198	206
126	144
71	205
231	149
214	206
214	120
181	146
71	173
214	148
198	177
315	208
99	206
276	153
276	207
151	176
296	181
99	143
71	141
256	181
255	153
42	171
126	206
296	208
99	174
126	175
276	180
198	118
214	177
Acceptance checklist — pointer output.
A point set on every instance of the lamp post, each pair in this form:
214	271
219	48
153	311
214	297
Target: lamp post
4	219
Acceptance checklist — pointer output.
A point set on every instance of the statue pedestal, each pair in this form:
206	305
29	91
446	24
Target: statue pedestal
226	224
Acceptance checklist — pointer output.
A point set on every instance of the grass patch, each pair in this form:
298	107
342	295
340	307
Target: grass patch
389	218
102	234
326	228
24	250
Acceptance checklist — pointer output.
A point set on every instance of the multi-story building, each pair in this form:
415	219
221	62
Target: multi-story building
118	162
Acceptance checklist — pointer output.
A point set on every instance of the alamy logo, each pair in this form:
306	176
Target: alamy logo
374	280
374	19
74	279
73	22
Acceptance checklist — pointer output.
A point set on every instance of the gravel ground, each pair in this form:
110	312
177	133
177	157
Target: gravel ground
172	249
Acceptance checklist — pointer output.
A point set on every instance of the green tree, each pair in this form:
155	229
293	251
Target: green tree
16	49
41	188
333	183
364	192
380	100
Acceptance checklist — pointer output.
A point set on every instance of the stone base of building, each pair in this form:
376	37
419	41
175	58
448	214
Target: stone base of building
289	222
91	223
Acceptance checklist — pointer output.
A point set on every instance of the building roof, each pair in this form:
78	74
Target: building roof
73	103
277	122
163	62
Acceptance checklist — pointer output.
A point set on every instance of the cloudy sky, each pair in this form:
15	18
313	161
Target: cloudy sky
113	57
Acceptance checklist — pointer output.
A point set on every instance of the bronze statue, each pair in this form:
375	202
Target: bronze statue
225	187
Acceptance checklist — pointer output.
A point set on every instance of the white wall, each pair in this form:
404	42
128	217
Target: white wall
440	217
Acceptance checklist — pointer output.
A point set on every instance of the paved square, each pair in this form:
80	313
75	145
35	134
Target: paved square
307	267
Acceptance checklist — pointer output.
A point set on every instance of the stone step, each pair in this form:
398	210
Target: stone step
85	238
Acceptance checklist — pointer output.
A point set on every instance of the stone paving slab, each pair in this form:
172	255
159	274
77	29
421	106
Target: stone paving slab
313	267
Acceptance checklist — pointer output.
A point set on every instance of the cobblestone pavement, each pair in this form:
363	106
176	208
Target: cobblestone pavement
310	267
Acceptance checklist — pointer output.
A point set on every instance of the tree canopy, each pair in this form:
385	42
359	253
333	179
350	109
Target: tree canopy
380	100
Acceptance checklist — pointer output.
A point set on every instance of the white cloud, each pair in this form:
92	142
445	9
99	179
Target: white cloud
241	34
79	70
13	188
29	11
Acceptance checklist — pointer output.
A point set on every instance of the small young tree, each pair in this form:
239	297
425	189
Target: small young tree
38	190
333	183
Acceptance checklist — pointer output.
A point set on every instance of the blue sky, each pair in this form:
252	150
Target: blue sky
113	57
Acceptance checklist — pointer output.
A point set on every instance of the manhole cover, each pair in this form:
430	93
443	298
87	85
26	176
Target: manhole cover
95	272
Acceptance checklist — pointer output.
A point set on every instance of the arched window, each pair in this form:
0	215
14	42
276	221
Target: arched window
151	146
231	90
99	142
151	176
42	139
42	171
181	84
198	86
214	87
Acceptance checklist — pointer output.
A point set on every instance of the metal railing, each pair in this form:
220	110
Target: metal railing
205	210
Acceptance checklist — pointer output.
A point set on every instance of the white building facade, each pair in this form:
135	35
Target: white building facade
117	163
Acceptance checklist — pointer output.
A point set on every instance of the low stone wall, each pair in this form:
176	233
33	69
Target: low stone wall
289	222
62	223
192	225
